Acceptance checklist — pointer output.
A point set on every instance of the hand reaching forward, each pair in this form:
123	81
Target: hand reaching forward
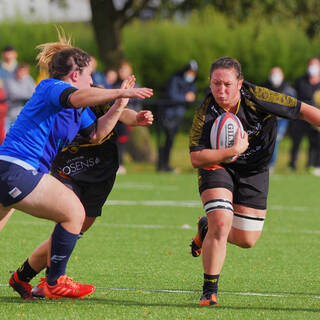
126	84
144	118
131	92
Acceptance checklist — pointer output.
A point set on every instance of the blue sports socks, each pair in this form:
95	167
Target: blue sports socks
63	243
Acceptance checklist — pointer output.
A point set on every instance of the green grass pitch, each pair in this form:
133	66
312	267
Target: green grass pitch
137	256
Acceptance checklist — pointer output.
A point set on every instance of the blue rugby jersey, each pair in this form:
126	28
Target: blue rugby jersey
44	126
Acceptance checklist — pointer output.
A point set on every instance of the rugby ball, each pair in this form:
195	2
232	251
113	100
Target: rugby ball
223	132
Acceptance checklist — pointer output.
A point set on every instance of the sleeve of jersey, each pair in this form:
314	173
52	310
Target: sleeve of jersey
200	131
60	93
274	103
88	122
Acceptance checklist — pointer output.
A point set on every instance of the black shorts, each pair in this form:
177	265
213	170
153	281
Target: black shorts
248	189
16	182
92	195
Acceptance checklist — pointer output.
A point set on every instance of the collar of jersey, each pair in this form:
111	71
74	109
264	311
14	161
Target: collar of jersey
237	107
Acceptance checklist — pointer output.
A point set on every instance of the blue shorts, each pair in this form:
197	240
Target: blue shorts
16	182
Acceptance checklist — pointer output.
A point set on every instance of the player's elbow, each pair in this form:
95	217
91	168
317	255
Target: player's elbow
96	138
195	160
195	163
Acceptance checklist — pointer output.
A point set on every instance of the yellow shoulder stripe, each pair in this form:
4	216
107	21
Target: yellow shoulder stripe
90	144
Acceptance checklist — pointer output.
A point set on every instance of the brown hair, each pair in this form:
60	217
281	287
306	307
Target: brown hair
58	58
227	63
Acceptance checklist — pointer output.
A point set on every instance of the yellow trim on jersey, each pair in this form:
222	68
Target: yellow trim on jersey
237	107
198	123
268	95
89	144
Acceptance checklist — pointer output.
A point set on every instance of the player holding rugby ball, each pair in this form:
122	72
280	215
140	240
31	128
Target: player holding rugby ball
234	194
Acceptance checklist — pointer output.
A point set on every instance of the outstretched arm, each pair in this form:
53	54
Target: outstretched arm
97	96
107	122
132	118
310	114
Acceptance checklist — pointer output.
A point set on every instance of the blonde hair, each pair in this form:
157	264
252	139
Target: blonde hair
56	59
48	50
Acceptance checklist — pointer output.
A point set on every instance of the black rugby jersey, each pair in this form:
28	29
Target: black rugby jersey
257	111
83	161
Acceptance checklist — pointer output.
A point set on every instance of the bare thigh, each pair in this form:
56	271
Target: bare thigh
241	238
51	200
245	238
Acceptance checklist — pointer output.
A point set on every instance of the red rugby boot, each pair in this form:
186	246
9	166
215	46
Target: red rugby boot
67	288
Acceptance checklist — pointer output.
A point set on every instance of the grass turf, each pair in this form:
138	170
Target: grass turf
142	247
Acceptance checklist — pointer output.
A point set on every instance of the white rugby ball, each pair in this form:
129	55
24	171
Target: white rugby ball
223	132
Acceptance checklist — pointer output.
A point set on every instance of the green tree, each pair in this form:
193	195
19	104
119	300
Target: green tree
110	16
306	12
108	19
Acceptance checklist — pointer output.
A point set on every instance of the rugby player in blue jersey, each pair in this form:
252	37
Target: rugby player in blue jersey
89	169
48	123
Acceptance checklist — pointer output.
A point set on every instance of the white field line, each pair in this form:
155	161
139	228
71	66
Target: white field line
184	204
278	295
194	204
156	203
144	186
164	227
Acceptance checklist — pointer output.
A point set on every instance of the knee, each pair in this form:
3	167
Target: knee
219	229
80	214
76	212
245	242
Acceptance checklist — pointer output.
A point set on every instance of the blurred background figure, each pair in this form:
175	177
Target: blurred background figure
306	87
276	82
124	71
19	88
3	112
97	76
180	88
111	78
8	63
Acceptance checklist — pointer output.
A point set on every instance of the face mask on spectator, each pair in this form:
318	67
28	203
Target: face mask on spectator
276	79
189	77
313	70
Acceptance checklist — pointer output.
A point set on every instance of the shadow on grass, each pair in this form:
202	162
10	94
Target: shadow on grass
127	303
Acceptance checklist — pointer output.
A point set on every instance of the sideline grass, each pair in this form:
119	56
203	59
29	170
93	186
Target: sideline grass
144	245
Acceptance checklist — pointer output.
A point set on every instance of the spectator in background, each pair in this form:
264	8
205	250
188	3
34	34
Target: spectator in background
111	79
3	112
306	87
97	76
181	88
19	89
277	83
8	63
124	71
